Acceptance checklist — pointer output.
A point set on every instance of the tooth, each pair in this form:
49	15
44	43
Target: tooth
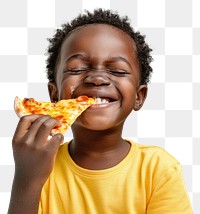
100	100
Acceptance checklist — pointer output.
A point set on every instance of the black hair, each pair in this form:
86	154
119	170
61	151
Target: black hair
100	16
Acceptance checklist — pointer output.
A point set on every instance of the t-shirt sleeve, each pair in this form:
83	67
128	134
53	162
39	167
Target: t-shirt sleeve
169	195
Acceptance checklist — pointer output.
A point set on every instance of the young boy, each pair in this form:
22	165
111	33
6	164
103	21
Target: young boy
99	55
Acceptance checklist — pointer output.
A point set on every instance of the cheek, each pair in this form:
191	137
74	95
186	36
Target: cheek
67	88
127	88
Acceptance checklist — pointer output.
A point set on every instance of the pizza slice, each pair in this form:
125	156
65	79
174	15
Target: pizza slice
65	111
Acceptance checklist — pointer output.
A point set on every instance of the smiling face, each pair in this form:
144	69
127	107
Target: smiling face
100	61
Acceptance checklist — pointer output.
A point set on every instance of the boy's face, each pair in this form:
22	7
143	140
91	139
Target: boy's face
100	61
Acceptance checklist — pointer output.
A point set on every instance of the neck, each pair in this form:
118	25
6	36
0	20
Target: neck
98	149
97	141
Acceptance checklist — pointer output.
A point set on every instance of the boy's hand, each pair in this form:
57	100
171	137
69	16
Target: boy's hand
34	154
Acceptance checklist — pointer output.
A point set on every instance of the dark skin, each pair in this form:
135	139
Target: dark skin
34	157
97	61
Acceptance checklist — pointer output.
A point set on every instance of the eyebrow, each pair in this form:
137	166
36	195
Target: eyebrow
79	56
119	58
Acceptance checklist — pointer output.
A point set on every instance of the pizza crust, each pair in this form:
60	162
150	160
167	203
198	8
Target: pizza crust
19	108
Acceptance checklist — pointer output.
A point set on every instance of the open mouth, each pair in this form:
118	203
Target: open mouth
103	100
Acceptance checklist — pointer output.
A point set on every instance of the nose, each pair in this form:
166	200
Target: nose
97	78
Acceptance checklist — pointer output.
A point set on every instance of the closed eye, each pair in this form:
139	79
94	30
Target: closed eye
75	71
118	72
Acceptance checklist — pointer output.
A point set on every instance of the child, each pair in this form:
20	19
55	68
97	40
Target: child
98	172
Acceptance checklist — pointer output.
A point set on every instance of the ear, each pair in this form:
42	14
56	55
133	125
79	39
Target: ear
140	97
53	92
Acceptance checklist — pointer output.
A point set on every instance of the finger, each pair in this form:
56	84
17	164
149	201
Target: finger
45	129
54	143
24	124
34	128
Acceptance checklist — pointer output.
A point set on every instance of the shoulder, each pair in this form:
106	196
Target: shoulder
155	163
156	153
154	158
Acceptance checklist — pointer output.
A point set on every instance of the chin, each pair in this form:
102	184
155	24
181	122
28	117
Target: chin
93	125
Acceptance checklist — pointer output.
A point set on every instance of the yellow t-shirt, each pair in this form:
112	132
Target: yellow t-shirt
147	181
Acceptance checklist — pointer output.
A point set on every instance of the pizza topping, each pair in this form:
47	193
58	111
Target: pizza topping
65	111
82	98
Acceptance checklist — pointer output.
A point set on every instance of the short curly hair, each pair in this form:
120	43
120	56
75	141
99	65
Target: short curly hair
99	16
